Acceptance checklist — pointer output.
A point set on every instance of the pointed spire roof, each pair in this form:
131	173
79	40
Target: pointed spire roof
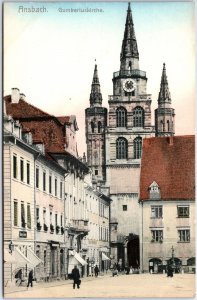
129	44
95	95
164	94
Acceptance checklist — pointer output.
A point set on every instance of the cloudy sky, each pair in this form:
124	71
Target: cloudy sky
50	56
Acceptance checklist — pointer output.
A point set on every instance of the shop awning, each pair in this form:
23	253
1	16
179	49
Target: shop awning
8	257
104	257
21	259
78	258
35	260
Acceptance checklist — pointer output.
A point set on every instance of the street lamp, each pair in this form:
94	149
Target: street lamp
173	262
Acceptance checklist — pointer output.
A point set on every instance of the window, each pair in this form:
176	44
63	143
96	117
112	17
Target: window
121	148
154	191
50	185
55	186
61	189
22	169
45	258
156	212
138	117
44	181
15	213
96	172
184	235
183	211
99	127
124	207
37	213
55	220
137	147
44	216
37	178
162	126
121	117
157	235
15	166
28	216
28	173
61	220
22	215
168	125
92	126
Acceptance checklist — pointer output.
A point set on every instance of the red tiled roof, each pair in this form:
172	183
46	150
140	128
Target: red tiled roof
22	109
64	119
43	126
170	161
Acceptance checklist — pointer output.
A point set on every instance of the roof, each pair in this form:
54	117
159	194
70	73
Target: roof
170	161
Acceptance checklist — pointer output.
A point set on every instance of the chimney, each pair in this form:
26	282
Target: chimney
22	97
15	95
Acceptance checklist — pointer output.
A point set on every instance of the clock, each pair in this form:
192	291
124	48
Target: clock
129	85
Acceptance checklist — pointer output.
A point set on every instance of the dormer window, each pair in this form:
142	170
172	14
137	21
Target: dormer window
154	191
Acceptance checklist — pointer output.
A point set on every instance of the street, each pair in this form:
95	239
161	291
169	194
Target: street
122	286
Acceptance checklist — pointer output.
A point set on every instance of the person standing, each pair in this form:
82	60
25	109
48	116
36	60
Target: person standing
76	277
96	271
30	279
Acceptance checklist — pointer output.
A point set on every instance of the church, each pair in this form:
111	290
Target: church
114	138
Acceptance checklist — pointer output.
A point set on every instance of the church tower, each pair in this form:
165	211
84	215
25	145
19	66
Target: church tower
129	122
164	114
96	122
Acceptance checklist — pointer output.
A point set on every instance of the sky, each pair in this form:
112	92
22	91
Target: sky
50	56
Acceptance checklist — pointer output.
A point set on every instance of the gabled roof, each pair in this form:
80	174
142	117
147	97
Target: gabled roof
170	161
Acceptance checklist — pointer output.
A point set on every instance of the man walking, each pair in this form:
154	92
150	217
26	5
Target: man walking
96	271
76	277
30	279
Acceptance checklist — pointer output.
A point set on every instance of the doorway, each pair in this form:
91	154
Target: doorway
133	251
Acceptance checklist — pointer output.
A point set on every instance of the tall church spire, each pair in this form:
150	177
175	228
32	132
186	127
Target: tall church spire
164	114
95	95
164	94
129	56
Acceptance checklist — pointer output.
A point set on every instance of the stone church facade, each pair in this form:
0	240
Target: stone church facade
114	142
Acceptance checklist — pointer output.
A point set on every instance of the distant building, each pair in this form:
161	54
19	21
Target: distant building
167	203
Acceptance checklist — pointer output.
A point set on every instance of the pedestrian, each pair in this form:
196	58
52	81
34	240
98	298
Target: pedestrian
76	277
30	279
170	271
96	271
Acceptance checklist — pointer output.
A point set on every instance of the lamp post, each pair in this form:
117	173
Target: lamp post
173	262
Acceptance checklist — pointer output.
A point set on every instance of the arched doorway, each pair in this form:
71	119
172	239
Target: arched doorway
176	263
154	265
133	251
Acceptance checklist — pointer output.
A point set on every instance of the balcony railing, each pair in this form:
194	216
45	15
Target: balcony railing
129	73
126	98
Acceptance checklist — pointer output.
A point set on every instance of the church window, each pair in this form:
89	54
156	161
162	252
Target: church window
99	127
121	117
121	148
168	125
137	147
92	126
138	117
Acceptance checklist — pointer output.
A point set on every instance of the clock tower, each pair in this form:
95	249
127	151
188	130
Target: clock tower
129	122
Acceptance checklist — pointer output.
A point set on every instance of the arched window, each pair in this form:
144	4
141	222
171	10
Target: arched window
138	117
99	127
137	147
168	125
121	117
92	126
162	126
121	148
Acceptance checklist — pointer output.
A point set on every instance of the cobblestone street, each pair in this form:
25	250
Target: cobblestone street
122	286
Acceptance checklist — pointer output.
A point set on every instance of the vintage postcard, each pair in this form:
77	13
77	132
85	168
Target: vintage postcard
98	149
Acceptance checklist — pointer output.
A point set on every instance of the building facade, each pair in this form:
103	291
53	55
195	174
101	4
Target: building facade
167	201
128	122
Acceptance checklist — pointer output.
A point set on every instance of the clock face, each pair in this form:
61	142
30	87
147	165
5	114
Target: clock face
129	85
